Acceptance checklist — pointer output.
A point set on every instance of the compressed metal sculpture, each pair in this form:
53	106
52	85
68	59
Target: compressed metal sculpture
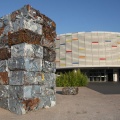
27	61
70	90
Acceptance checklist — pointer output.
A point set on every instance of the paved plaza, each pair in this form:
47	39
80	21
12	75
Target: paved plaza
97	101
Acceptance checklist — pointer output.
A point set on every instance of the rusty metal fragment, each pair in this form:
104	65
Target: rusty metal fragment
23	36
21	106
4	80
1	30
5	53
31	104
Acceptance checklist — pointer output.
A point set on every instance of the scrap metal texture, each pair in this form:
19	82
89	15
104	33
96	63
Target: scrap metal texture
27	61
25	78
23	106
29	91
4	41
49	55
47	43
4	91
47	101
3	65
22	36
49	66
70	90
4	78
31	19
27	50
22	63
5	53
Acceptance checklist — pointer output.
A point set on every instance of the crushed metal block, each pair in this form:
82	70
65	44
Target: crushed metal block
23	36
70	90
27	50
25	78
27	72
22	63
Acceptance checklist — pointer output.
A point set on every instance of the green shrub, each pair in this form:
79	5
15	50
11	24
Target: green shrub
73	78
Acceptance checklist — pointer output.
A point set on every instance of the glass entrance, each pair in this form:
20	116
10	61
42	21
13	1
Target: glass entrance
96	75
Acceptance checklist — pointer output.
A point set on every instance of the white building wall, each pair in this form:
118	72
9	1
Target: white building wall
115	75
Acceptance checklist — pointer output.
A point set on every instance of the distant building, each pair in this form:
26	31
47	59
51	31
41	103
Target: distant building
97	54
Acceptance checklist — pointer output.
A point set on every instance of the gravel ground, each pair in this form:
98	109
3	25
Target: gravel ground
89	104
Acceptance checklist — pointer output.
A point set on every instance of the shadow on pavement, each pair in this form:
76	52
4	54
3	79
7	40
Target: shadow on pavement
59	92
106	87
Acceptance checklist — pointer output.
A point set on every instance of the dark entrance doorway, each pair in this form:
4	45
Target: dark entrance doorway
119	75
96	75
110	75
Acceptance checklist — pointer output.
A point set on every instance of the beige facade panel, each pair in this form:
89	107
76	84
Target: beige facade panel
84	49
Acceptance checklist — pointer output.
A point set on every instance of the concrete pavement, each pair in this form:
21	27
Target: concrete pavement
89	104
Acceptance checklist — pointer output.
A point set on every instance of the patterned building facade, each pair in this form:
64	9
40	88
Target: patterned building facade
90	51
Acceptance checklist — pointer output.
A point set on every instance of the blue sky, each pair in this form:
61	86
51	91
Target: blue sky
73	15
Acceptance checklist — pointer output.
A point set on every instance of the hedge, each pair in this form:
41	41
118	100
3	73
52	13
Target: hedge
71	79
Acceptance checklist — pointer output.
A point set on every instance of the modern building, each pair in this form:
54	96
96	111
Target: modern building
97	54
